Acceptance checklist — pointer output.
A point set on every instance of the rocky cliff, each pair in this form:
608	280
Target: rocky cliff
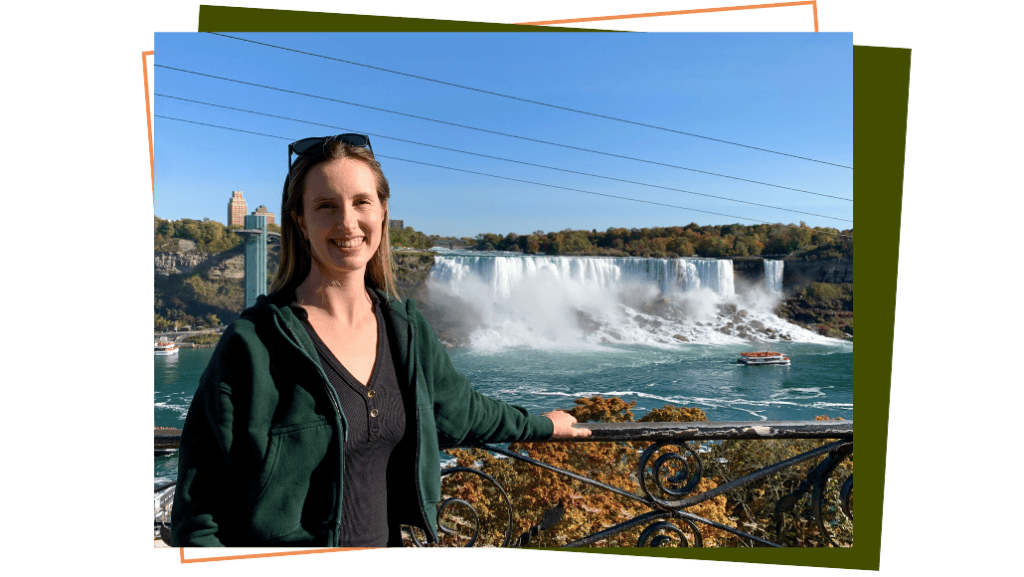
819	292
825	308
799	274
168	263
411	270
197	283
796	274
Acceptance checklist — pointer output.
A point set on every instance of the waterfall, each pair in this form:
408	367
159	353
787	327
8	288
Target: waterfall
773	275
503	273
494	302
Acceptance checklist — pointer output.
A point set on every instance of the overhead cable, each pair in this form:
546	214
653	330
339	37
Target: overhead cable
527	100
515	179
485	130
346	129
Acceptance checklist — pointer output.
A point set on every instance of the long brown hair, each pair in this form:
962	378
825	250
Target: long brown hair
296	258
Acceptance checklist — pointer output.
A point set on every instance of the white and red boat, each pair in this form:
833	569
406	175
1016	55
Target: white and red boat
165	347
763	358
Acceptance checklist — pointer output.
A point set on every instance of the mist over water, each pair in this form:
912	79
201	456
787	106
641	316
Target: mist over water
497	301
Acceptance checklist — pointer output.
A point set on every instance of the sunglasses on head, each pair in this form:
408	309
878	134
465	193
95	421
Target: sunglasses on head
304	146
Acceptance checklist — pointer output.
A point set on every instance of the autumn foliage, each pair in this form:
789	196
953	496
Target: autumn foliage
533	490
715	241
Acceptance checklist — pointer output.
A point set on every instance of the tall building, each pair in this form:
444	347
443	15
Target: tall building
261	210
237	209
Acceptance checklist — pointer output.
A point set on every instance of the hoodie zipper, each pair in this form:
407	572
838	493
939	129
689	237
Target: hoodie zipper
344	427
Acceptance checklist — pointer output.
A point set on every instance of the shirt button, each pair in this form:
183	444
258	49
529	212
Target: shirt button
373	413
371	394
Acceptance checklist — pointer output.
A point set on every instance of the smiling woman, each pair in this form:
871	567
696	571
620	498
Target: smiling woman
318	419
323	169
342	216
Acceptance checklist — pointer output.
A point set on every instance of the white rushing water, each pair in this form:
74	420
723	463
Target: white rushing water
773	275
498	301
504	274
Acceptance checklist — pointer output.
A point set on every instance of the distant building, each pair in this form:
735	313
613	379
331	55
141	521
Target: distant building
261	210
237	209
396	224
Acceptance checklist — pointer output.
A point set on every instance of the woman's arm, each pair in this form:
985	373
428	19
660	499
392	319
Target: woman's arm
202	496
563	424
462	414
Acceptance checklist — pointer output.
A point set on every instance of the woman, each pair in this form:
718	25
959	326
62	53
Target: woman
318	419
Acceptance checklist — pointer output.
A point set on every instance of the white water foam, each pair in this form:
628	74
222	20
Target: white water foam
182	410
773	276
582	303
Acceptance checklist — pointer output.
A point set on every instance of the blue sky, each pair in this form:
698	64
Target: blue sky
786	92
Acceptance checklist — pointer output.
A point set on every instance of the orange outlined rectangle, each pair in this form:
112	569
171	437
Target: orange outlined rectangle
149	120
256	555
812	3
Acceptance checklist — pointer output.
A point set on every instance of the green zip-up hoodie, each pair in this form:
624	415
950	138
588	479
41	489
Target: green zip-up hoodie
261	456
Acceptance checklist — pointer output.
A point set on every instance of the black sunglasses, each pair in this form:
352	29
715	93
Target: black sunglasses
300	147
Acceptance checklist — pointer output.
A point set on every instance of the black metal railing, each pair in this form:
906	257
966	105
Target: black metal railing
672	462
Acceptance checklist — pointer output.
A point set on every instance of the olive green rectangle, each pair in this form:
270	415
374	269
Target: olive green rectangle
227	19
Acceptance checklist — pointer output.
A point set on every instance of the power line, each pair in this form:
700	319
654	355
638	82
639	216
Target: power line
513	179
526	138
345	129
527	100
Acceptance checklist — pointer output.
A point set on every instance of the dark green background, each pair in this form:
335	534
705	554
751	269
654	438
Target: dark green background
79	382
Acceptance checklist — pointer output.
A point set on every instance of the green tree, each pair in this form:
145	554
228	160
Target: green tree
680	246
659	247
576	242
164	228
160	323
532	244
711	247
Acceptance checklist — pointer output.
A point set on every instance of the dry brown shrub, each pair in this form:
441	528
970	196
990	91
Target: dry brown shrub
589	509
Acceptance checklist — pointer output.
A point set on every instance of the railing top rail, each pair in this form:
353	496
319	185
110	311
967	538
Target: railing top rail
676	431
716	431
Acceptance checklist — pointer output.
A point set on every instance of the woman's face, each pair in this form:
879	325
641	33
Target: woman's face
342	217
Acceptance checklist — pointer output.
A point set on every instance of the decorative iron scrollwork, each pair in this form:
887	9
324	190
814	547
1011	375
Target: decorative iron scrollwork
823	472
673	475
549	519
845	494
459	522
653	536
817	481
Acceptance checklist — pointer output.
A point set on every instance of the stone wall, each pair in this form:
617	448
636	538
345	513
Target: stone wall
796	274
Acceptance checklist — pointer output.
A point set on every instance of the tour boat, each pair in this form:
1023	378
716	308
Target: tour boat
763	358
165	347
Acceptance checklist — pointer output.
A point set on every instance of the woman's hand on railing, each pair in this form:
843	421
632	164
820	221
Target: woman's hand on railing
564	425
